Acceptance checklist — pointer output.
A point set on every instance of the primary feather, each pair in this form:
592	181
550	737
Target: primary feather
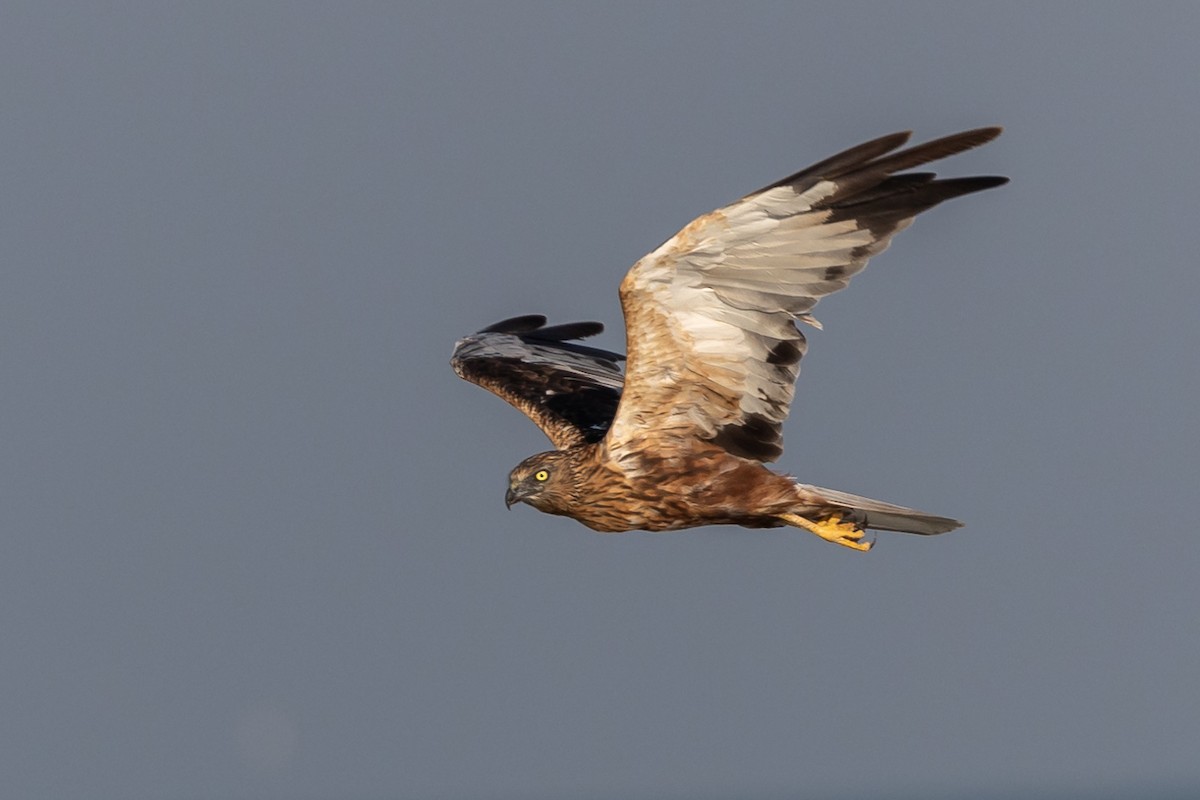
570	390
713	348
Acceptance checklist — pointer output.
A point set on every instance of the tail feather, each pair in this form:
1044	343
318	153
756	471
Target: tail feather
878	514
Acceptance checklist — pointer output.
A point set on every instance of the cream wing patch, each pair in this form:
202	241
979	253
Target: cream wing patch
710	314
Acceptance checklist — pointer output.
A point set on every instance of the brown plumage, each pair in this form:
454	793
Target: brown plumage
680	439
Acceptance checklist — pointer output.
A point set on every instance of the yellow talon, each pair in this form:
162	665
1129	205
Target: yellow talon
832	529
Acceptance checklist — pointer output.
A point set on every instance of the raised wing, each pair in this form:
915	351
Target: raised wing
713	347
570	390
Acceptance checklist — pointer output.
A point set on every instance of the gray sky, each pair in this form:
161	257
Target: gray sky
254	536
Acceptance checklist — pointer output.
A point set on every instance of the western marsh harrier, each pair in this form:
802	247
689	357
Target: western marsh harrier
681	438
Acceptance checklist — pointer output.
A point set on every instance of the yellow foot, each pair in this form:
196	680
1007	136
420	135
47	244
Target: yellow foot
832	529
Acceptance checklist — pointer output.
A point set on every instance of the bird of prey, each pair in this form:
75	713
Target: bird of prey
681	439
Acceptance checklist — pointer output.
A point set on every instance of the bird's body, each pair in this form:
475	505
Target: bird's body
681	438
710	487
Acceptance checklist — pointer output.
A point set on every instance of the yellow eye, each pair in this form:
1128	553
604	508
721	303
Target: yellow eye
541	475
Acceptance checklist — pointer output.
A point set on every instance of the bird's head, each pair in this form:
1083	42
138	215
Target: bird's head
543	481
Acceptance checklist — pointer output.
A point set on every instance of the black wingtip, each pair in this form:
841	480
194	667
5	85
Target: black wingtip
933	150
975	136
989	132
522	324
956	187
570	330
534	325
532	328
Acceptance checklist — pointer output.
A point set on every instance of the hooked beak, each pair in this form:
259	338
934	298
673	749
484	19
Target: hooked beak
512	496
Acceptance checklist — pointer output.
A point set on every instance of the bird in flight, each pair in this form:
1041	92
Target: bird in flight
681	438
